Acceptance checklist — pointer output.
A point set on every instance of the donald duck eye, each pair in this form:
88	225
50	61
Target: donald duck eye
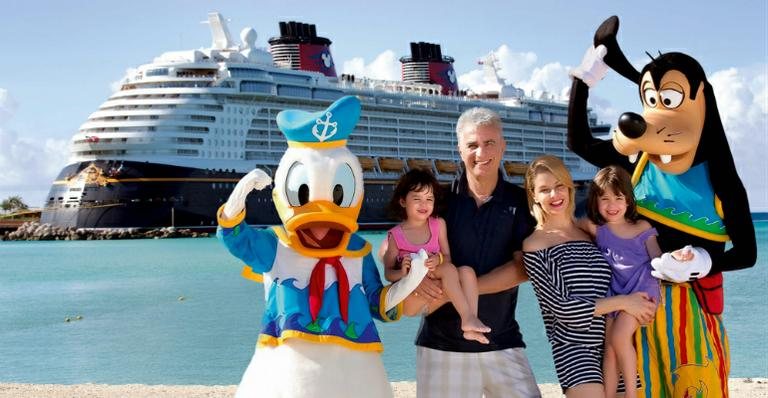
297	185
343	186
671	98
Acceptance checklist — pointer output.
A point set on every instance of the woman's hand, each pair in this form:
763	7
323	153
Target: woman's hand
640	306
429	289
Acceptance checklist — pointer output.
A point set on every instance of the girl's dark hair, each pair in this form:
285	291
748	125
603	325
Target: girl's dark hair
415	179
618	181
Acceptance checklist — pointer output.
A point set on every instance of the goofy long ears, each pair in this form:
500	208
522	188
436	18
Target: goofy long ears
606	35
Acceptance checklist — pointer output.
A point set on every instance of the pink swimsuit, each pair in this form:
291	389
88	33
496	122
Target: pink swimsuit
405	247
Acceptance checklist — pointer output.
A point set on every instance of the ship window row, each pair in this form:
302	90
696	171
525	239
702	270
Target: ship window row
194	84
157	72
256	87
140	140
197	117
247	72
143	129
294	91
296	79
241	110
192	107
130	98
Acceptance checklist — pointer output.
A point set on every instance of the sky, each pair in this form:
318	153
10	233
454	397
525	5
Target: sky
61	60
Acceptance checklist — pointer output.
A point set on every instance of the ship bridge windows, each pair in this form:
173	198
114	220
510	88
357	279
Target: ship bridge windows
156	72
196	73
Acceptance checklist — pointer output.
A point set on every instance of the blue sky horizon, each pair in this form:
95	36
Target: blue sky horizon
63	59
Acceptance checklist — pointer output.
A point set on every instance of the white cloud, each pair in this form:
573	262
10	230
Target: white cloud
7	106
742	99
386	66
28	165
514	67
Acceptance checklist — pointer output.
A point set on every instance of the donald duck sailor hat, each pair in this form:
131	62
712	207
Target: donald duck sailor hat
328	128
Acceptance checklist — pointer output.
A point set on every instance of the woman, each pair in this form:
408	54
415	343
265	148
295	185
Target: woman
571	278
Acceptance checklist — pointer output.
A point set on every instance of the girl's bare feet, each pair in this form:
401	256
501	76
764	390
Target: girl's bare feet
477	336
474	328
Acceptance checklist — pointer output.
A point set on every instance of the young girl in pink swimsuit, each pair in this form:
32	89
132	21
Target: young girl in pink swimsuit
414	202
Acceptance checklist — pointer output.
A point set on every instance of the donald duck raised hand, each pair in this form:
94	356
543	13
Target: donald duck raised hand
322	287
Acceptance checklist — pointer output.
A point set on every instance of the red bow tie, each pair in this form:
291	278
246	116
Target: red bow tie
317	286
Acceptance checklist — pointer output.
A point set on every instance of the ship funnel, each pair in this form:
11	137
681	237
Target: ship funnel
299	48
427	64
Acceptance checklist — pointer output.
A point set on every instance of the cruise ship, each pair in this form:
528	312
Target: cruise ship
167	148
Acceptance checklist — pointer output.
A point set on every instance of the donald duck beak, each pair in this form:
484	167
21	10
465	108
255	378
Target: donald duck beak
320	228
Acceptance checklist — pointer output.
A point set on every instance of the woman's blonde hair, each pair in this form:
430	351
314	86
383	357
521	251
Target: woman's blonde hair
552	165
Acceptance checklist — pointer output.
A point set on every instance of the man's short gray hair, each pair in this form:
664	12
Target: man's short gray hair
473	118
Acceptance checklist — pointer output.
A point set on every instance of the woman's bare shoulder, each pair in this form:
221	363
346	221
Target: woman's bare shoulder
538	240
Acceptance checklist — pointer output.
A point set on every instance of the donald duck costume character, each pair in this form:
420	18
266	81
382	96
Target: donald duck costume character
321	284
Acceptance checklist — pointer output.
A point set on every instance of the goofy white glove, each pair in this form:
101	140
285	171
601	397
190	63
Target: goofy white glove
668	268
256	179
592	68
399	290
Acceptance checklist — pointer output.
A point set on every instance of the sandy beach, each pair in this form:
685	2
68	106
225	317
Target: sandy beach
739	388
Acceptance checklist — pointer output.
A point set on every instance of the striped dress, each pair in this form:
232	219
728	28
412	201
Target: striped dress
568	278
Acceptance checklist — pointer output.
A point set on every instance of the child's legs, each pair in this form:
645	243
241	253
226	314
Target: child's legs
620	339
470	324
469	286
610	367
449	279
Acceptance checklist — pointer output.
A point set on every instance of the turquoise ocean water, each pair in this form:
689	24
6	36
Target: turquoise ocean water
134	328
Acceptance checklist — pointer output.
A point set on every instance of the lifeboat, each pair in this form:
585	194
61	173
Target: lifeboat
367	163
420	164
515	168
391	164
446	166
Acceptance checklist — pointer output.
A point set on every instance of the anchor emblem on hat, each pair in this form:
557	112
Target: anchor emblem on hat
325	134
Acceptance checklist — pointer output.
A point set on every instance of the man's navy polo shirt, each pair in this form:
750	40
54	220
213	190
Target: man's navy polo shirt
484	238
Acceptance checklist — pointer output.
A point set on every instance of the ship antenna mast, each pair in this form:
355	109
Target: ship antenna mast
221	38
491	68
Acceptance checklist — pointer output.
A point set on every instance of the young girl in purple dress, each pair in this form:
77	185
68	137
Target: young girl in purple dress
628	244
414	203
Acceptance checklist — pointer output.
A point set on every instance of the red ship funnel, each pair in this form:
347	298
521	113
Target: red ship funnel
299	48
427	64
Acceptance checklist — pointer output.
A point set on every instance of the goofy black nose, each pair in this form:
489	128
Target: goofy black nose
632	124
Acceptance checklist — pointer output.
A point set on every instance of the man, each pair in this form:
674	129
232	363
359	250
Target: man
487	220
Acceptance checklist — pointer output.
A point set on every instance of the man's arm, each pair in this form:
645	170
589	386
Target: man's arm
503	277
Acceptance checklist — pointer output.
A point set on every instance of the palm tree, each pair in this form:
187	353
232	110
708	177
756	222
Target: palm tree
6	206
13	203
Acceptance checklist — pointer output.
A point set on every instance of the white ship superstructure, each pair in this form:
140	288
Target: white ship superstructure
171	143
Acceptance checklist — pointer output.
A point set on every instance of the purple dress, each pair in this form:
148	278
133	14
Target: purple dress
630	262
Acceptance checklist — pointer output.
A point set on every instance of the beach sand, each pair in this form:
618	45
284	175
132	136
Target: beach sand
739	388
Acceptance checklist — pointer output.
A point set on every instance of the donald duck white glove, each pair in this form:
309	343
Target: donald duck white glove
255	179
670	269
402	288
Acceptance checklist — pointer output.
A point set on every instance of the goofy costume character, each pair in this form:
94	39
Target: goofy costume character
686	185
321	284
